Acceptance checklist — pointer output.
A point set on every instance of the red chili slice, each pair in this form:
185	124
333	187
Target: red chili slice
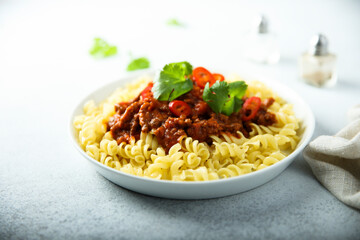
179	108
146	93
218	77
250	108
202	76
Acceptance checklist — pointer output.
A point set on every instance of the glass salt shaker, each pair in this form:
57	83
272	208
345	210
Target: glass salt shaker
317	65
262	46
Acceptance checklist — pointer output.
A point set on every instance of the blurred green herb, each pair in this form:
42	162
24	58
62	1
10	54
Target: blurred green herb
139	63
102	49
174	22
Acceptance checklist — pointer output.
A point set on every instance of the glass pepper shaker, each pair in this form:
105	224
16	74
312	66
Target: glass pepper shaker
317	65
261	44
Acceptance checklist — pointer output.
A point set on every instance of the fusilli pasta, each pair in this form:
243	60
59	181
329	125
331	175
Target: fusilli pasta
188	160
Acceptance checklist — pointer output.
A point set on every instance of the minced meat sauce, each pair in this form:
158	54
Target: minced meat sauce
149	114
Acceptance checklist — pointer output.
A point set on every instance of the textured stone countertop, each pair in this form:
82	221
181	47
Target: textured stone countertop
48	191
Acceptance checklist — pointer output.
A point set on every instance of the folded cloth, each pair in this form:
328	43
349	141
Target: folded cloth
335	161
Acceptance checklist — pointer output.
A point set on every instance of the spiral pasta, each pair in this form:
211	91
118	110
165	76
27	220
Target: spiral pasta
188	160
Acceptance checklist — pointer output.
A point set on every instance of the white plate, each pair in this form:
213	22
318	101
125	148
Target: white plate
199	190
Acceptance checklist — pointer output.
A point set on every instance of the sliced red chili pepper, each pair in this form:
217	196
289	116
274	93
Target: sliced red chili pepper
250	108
146	93
218	77
179	108
202	76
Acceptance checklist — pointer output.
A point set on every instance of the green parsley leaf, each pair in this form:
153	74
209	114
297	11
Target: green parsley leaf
174	22
139	63
216	96
236	91
179	69
172	81
102	49
223	97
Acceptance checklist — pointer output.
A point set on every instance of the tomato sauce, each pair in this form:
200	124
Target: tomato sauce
149	114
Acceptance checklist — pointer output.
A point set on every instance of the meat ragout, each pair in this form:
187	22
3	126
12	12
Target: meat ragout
150	115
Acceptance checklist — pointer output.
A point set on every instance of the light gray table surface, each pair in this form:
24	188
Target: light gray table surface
48	191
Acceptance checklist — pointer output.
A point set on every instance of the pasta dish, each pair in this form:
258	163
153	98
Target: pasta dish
188	124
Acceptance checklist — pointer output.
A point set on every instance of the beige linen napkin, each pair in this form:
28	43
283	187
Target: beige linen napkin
335	161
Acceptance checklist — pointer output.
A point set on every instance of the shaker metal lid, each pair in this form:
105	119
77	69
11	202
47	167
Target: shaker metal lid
261	24
319	45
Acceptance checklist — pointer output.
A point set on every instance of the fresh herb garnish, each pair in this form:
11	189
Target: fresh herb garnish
102	49
223	97
173	81
139	63
216	96
174	22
